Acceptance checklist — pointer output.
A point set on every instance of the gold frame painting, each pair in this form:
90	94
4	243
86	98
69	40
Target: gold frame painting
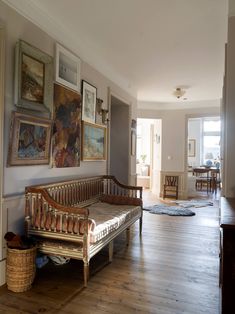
93	142
30	139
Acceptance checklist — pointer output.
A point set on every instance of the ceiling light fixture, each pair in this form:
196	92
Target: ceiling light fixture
179	92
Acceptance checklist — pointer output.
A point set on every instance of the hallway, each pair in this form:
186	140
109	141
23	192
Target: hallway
172	269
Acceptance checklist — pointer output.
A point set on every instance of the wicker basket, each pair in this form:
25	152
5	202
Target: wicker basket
21	269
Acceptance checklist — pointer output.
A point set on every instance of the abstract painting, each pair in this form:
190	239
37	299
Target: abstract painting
66	145
29	140
94	142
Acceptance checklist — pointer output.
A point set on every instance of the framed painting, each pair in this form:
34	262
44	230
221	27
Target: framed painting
93	142
67	68
66	141
33	78
88	102
30	139
191	148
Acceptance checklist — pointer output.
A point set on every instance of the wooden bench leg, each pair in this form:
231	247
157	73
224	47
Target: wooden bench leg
86	273
128	235
111	251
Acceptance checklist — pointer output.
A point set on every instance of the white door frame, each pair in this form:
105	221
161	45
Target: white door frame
2	81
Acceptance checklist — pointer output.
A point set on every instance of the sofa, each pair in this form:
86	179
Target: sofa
77	218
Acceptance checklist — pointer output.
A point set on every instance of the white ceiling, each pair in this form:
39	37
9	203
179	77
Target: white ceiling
147	46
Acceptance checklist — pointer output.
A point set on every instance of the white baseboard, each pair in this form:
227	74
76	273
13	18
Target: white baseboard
2	272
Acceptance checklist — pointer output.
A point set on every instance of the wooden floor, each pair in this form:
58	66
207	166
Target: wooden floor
173	268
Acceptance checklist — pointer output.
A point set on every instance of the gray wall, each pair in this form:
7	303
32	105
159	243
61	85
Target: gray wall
16	178
119	141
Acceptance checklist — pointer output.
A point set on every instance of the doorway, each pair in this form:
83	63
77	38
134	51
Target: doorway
148	157
204	141
119	140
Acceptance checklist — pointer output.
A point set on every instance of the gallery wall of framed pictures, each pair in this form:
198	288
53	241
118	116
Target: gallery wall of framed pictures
47	127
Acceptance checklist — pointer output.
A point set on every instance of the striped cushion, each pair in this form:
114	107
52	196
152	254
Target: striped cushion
109	218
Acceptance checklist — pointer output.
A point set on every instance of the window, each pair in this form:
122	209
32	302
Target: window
143	140
211	141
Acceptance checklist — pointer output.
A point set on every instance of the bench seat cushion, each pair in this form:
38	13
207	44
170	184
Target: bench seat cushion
109	217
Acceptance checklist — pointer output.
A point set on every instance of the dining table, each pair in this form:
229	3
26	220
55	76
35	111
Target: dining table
209	176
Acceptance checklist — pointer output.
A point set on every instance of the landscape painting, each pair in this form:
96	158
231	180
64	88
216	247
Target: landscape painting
32	79
29	140
33	83
67	68
66	142
94	142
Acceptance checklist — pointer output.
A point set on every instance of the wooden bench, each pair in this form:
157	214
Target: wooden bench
77	218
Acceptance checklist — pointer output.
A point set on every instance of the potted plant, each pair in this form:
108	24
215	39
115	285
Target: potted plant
143	158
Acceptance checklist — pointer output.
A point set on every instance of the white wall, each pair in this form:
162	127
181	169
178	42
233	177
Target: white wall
16	178
194	132
174	133
173	141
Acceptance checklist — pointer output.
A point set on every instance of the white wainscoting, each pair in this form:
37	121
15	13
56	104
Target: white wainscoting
12	219
2	272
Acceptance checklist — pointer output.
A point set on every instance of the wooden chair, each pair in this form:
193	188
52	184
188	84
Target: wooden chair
170	187
216	180
202	179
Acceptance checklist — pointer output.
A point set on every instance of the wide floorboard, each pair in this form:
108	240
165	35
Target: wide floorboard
172	269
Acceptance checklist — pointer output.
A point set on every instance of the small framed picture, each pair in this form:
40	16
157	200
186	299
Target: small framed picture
88	102
33	78
191	148
30	139
67	68
93	142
